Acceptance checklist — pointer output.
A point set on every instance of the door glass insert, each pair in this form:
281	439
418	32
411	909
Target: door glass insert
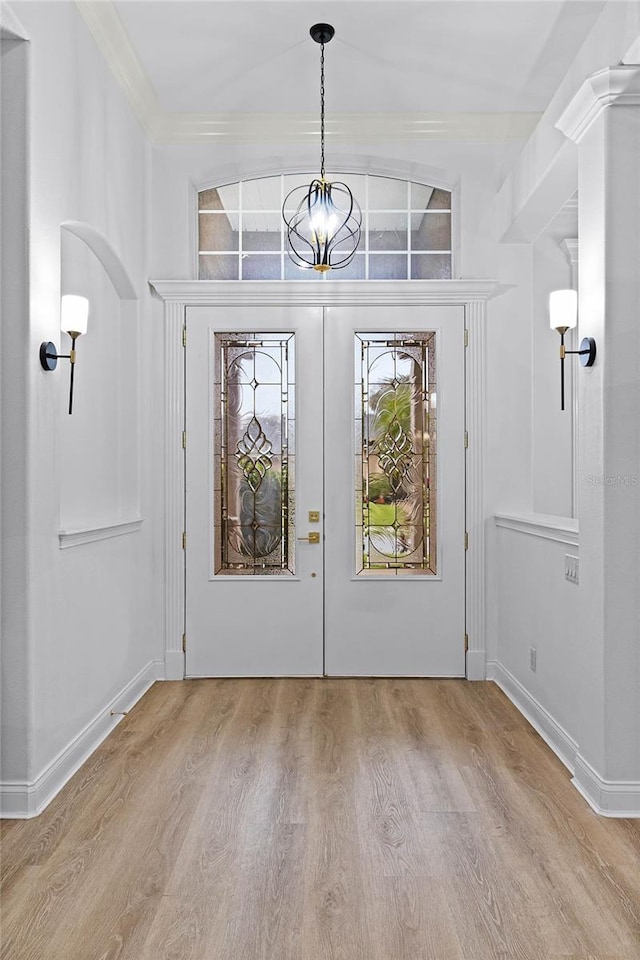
395	470
254	454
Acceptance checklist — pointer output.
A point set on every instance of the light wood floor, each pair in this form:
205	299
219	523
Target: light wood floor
321	820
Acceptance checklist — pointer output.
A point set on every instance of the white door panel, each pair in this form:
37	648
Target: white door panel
377	624
248	625
326	616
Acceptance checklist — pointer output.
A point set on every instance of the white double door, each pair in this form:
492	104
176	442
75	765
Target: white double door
368	599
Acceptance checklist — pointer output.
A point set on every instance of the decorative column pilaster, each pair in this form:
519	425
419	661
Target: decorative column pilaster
174	314
475	323
604	120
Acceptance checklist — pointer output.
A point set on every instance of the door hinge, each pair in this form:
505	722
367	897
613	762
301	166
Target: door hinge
466	439
184	336
466	337
466	540
184	439
184	643
466	642
184	541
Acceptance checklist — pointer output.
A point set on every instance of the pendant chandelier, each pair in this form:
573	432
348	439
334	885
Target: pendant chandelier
323	219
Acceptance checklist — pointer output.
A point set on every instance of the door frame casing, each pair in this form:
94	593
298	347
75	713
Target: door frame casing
178	295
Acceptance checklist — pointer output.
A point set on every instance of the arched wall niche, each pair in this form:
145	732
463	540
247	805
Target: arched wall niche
99	469
104	252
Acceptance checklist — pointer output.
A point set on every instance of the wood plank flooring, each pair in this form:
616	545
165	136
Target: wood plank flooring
334	819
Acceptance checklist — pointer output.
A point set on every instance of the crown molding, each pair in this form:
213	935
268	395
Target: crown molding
571	251
112	39
612	86
343	127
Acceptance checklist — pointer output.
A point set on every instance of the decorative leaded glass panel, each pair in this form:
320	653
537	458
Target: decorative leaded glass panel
254	454
396	453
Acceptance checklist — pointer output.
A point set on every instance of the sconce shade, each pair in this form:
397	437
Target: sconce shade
74	312
563	309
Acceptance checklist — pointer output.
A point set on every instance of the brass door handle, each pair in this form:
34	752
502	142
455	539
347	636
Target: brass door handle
314	537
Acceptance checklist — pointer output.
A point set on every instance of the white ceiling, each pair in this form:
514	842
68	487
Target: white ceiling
397	56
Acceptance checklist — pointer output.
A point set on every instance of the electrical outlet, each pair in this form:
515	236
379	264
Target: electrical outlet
571	568
533	658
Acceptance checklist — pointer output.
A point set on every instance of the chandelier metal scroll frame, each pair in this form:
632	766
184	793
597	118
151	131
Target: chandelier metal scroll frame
327	221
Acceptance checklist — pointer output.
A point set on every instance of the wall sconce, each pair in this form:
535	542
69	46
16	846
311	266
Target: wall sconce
74	312
563	316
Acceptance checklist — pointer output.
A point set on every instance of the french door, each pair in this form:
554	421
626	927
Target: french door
325	491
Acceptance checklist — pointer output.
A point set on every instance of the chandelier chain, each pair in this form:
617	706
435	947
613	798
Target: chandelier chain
322	111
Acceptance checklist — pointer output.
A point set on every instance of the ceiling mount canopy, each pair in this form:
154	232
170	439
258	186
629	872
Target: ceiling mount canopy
323	220
322	32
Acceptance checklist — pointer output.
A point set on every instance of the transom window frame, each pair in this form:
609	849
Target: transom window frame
288	270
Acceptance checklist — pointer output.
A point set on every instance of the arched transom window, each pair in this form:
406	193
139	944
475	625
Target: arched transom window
406	231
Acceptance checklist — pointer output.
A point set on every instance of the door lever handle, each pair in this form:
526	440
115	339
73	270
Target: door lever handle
314	537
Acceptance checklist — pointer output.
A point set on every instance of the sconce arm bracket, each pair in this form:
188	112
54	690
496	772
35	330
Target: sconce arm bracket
587	351
49	356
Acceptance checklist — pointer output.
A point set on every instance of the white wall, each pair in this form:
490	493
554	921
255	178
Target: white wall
552	428
91	617
16	698
539	608
80	623
544	176
471	169
580	683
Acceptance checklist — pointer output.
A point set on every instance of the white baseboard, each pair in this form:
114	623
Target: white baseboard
564	746
25	800
476	667
609	798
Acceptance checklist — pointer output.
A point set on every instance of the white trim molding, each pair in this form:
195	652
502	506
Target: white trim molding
248	293
174	523
542	525
571	250
612	86
215	128
163	126
120	528
179	294
553	734
475	558
609	798
112	40
25	800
